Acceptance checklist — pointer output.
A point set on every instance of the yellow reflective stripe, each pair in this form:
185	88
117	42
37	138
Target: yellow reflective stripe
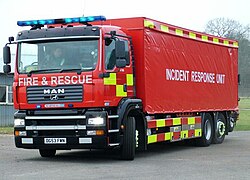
197	132
191	120
192	35
111	80
215	40
120	91
176	121
167	136
152	138
164	28
149	24
171	135
225	42
129	78
184	134
204	38
235	44
179	32
160	123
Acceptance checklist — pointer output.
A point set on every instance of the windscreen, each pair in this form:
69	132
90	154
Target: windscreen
61	55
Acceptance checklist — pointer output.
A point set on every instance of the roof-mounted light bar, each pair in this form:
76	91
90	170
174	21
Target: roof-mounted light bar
61	21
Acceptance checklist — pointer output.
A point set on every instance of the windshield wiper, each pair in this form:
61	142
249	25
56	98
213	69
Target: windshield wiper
78	70
42	70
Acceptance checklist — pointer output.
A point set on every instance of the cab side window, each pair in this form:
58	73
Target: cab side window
110	57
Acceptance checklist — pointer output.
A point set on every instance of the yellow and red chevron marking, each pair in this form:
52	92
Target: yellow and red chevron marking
186	134
180	128
156	123
116	81
174	136
159	137
166	28
191	120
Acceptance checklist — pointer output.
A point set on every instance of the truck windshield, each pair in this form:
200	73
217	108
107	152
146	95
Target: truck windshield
43	56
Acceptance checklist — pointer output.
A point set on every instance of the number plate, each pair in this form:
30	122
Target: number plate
55	141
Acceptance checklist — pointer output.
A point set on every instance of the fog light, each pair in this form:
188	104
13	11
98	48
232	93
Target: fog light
19	122
91	133
95	132
20	133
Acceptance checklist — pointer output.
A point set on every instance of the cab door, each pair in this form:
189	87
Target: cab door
118	82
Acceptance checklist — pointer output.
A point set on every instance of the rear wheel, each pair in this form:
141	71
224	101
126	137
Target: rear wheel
207	131
231	124
47	152
129	140
220	129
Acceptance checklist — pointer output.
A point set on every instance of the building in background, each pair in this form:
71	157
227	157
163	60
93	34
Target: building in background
6	100
6	95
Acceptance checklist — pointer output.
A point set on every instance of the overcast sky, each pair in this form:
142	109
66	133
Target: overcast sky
191	14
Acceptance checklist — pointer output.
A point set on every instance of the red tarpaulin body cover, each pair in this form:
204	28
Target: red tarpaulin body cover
179	70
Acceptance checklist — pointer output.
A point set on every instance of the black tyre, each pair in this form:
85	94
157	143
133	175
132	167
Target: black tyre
129	140
47	152
207	131
220	129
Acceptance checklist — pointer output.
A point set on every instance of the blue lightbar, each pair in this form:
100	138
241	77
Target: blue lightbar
61	21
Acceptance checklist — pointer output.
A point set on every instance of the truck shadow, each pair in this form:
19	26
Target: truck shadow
112	155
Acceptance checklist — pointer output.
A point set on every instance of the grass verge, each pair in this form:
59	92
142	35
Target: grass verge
244	103
244	120
6	130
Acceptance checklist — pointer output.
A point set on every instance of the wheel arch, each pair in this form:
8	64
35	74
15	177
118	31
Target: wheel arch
211	114
133	108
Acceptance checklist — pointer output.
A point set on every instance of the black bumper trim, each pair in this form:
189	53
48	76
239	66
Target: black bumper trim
98	142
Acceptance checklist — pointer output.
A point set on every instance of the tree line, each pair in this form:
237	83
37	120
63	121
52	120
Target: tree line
229	28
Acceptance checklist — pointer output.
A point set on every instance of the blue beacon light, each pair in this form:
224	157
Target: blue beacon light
61	21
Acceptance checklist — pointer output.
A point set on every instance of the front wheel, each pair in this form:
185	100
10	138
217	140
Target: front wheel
207	131
47	152
220	129
129	140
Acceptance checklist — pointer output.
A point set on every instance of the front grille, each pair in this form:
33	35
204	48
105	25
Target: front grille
48	94
50	122
60	133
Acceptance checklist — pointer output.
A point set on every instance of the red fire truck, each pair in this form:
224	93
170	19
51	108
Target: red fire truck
91	83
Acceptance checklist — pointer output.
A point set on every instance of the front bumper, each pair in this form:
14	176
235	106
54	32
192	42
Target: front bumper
94	142
73	130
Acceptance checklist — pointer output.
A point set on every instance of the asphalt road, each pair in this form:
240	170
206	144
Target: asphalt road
230	160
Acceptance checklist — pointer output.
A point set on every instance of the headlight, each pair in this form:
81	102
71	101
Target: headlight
96	121
19	122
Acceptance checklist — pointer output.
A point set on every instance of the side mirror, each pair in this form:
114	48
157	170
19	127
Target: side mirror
11	39
6	68
108	41
121	63
120	49
120	54
239	82
6	55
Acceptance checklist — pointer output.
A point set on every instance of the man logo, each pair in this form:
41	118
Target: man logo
53	91
53	97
